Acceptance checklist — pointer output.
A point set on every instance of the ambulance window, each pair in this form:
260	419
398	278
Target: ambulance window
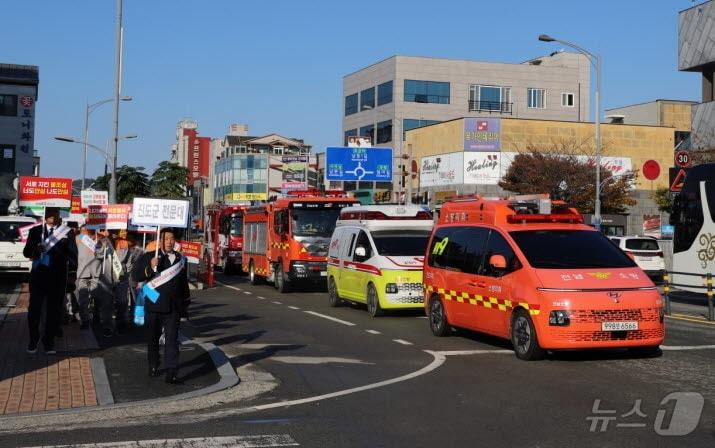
364	241
497	245
350	246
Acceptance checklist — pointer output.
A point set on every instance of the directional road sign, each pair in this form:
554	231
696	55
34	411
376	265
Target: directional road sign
363	164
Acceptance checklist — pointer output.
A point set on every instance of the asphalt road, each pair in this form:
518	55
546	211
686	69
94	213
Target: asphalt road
345	379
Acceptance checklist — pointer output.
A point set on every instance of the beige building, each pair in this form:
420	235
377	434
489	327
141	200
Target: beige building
669	113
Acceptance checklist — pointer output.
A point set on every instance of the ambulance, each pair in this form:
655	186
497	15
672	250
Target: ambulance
529	270
376	256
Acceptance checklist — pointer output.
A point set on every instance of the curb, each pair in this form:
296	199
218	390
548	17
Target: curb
227	374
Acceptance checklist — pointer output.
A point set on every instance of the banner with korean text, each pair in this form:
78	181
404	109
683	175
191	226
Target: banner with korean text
109	216
44	192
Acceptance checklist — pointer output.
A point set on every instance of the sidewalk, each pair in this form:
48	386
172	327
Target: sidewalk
87	370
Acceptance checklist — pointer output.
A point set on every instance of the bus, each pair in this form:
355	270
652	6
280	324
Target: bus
693	216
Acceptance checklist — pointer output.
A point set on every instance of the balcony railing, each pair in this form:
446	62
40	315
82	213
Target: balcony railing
492	107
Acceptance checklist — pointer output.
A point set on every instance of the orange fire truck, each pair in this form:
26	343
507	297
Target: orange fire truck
286	241
223	236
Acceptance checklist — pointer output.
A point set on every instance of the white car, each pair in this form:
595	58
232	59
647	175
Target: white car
645	252
11	257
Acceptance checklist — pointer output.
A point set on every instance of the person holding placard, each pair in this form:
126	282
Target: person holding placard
166	291
51	247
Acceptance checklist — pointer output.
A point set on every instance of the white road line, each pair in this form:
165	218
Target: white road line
334	319
472	352
402	341
314	360
686	347
228	286
293	307
277	302
261	297
421	317
373	331
247	293
267	440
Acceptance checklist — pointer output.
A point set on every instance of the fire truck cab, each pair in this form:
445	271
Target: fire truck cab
223	236
529	270
286	241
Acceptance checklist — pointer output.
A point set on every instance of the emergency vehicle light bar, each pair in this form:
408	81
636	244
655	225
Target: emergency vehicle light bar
521	218
373	215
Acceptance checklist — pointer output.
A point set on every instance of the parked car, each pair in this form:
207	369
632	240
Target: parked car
11	244
645	252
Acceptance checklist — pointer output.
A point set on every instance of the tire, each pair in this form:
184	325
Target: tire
282	283
252	277
373	302
438	318
524	338
333	297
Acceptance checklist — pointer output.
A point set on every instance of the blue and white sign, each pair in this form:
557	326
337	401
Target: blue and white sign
364	164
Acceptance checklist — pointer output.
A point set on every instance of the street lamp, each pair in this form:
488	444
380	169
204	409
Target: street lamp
108	160
91	108
408	196
595	61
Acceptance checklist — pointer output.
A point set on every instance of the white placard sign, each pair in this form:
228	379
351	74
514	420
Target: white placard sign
92	197
160	212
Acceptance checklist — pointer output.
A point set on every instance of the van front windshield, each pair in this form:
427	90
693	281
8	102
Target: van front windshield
570	249
317	222
403	243
9	230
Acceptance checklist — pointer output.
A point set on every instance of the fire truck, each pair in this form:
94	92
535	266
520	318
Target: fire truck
286	241
223	236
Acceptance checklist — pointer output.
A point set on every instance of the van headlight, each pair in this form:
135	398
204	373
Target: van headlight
391	288
559	318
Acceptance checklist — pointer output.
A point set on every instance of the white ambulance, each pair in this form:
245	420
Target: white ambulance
376	256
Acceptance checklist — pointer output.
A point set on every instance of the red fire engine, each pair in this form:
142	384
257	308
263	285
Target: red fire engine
223	236
287	240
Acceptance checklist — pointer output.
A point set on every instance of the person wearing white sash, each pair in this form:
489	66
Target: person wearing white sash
51	247
128	254
106	281
89	262
166	292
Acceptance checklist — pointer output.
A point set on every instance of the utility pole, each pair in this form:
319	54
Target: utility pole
117	91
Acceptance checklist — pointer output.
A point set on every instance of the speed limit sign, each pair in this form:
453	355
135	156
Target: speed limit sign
682	159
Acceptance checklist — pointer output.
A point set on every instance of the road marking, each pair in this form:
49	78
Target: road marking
421	317
402	341
334	319
293	307
313	360
472	352
261	346
686	347
228	286
277	302
261	297
373	331
267	440
247	293
691	319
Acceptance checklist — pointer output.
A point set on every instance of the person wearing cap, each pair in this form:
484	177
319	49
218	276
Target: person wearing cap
51	247
128	253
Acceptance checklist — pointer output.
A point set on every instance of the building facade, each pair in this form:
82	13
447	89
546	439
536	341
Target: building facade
400	93
669	113
251	168
471	155
696	53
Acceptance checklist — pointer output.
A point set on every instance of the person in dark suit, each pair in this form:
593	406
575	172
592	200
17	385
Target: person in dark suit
52	248
173	292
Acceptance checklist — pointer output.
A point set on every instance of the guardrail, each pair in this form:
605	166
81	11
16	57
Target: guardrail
707	286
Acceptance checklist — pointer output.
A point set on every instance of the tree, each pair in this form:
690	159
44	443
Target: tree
568	177
131	182
169	181
663	198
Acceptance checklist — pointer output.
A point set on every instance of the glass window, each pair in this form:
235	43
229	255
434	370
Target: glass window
368	131
458	248
8	105
349	133
497	245
570	249
351	104
9	230
367	99
404	243
567	99
426	92
641	244
384	131
490	98
411	123
536	98
314	222
363	241
384	93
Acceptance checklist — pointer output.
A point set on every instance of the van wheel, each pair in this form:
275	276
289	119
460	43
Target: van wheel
252	277
281	283
438	318
524	339
333	297
373	302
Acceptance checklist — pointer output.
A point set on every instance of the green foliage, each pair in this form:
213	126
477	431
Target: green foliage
169	181
662	197
131	182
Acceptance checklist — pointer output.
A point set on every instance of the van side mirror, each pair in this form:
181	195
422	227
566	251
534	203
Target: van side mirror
360	252
497	261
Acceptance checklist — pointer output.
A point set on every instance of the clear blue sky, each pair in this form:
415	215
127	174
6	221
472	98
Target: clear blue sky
277	65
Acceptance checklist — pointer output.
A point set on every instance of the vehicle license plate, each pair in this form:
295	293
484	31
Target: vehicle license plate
619	326
323	273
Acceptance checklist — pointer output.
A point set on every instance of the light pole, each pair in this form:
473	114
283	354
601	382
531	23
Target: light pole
400	156
108	160
117	90
91	108
595	61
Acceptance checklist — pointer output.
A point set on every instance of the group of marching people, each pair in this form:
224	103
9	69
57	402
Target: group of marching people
113	276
